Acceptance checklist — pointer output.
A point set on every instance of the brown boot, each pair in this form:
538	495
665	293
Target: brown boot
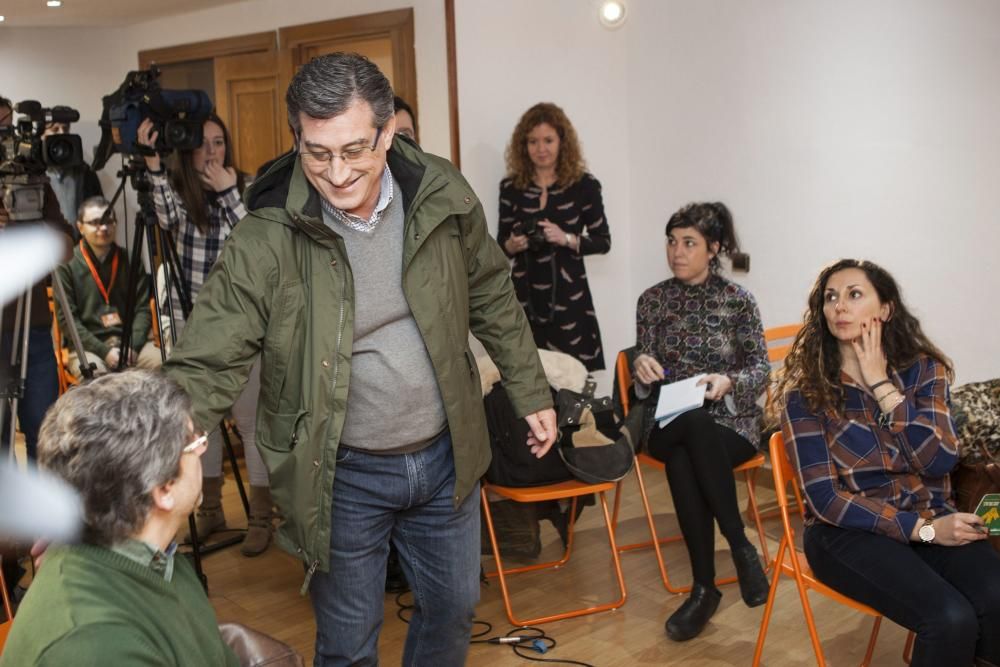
258	535
210	517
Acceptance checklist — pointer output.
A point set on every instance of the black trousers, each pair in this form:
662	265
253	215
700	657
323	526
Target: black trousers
700	455
949	596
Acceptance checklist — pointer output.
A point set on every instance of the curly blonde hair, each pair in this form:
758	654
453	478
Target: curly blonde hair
520	169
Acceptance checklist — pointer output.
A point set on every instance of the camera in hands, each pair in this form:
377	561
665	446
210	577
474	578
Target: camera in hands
530	228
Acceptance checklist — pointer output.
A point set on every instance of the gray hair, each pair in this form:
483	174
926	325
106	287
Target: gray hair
328	85
114	440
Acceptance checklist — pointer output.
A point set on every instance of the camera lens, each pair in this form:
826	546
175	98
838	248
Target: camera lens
62	150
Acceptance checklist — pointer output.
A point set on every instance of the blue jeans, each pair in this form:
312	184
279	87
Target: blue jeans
41	387
410	499
949	596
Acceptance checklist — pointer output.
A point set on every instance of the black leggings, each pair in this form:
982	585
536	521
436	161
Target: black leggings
700	456
949	596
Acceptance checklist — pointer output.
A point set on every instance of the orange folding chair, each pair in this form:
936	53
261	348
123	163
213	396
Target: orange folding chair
792	563
66	379
561	490
8	610
623	374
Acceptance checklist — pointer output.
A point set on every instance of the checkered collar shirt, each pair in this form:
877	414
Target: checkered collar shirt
360	224
883	478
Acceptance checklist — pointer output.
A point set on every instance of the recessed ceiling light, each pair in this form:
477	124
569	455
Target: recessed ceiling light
612	13
2	19
54	3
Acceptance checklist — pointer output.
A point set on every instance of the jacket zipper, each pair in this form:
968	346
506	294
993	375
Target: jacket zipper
336	371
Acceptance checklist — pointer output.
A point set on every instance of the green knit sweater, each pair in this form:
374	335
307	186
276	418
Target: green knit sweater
90	606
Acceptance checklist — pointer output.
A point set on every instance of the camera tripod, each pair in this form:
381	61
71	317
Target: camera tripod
150	235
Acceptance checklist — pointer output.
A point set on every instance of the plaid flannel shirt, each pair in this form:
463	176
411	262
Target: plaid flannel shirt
883	479
197	251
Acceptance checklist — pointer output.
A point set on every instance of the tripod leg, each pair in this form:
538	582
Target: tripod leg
236	468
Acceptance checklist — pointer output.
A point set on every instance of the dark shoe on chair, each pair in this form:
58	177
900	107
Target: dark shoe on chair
688	621
754	586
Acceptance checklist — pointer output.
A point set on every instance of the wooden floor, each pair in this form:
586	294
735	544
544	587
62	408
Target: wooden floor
263	592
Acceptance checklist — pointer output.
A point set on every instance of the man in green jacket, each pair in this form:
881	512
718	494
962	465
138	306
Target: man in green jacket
357	276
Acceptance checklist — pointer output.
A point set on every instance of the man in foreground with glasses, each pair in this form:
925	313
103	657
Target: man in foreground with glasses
126	443
357	275
96	283
122	596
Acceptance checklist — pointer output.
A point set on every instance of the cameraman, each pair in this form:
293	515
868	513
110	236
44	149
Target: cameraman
200	201
41	387
72	185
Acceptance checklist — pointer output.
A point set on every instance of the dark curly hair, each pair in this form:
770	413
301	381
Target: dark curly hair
570	167
713	221
813	364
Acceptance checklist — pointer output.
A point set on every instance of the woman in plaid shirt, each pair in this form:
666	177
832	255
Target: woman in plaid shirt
867	426
200	202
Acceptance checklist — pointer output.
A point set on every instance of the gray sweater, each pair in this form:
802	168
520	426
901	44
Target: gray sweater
393	403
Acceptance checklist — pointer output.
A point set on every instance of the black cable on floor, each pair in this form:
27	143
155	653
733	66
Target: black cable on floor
519	639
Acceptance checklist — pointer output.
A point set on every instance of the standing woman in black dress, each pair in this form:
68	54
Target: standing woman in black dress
551	215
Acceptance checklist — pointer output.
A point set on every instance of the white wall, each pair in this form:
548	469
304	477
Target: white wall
830	129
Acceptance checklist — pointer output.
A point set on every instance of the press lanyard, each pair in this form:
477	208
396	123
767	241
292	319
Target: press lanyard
105	291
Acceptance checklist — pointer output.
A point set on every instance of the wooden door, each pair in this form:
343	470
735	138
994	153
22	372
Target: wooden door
250	100
386	38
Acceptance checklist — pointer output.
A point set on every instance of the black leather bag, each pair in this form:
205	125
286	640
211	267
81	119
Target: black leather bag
595	446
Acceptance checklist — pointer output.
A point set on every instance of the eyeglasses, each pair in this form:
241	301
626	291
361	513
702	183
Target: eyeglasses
195	444
352	155
97	224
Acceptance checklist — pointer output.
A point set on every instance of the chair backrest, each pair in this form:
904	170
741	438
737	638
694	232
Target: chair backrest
784	476
623	376
779	341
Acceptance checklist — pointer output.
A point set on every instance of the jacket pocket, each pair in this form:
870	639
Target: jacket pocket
280	431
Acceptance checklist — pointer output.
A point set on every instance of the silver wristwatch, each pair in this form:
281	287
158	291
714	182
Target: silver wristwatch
926	532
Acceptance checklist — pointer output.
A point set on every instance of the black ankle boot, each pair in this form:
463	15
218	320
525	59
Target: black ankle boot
753	582
688	621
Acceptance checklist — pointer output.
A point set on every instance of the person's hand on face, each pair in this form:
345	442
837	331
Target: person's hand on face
217	178
146	135
871	355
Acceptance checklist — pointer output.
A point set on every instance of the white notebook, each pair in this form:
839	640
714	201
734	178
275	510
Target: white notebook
678	397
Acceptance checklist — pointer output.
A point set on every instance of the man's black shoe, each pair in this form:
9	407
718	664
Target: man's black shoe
688	621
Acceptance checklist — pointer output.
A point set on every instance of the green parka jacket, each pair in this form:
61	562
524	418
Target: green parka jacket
283	288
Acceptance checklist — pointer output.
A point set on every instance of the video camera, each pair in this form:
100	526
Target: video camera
25	155
178	115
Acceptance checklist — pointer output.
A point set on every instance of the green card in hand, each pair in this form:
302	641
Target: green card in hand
989	510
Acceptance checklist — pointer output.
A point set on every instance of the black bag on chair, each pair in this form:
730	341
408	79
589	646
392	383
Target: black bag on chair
595	446
513	463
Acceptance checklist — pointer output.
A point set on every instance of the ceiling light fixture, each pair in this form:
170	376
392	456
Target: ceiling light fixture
54	3
612	13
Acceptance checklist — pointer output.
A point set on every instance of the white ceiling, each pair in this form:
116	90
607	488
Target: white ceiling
34	13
